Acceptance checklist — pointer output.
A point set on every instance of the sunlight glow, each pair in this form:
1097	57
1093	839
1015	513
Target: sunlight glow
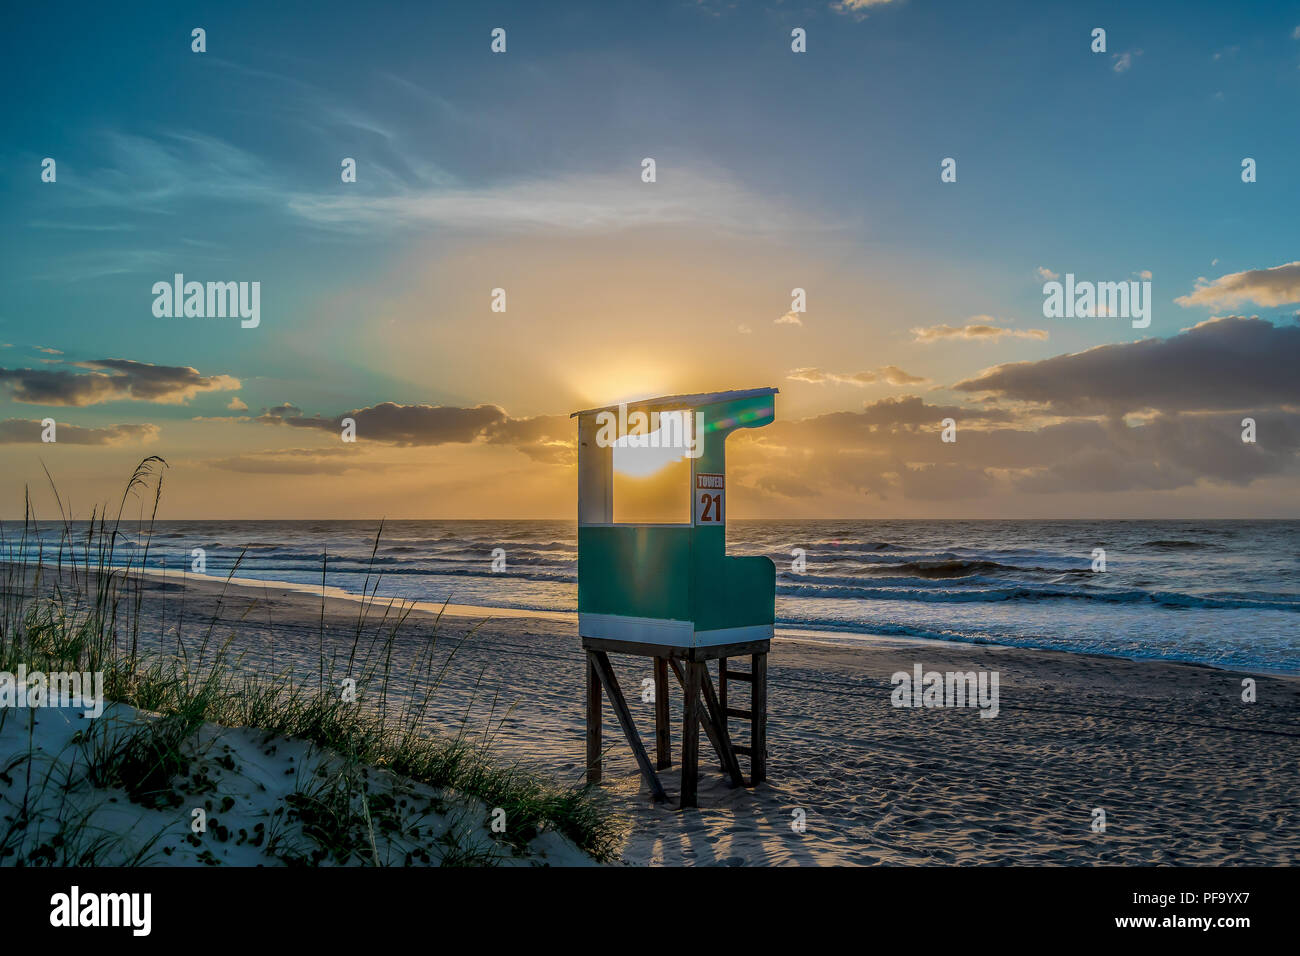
643	462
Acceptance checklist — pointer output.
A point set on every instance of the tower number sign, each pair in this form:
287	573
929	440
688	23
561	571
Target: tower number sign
710	499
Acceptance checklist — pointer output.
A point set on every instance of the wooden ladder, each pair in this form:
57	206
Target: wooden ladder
756	678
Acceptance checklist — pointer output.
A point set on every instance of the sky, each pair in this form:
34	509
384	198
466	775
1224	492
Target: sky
774	170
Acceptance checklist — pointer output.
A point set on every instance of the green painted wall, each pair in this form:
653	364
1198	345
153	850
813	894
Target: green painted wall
635	570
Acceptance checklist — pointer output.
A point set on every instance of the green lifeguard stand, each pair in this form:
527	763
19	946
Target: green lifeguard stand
671	592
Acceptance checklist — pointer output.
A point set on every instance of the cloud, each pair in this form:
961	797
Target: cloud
1225	363
890	374
912	410
397	424
18	431
893	449
1124	61
894	375
110	380
1279	285
978	328
158	173
579	203
165	172
876	421
550	439
1169	452
236	404
295	461
819	376
1047	274
282	412
857	8
1156	415
790	318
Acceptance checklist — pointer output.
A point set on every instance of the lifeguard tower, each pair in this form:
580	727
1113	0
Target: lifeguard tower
669	591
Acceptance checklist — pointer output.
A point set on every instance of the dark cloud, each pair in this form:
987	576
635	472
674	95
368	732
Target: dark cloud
551	439
1228	363
110	380
910	410
1174	450
18	431
396	424
861	452
1168	452
850	429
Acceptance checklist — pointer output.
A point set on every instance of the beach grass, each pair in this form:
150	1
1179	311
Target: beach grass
77	608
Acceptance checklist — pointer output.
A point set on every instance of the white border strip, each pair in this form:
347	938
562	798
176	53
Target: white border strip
734	635
645	630
656	630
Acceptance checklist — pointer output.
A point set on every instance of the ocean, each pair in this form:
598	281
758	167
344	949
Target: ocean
1222	593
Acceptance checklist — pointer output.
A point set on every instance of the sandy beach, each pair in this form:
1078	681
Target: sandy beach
1184	770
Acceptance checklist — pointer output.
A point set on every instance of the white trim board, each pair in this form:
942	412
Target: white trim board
674	633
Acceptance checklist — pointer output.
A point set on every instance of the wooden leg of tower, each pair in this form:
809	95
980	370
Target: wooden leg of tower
758	738
609	681
593	720
663	733
691	735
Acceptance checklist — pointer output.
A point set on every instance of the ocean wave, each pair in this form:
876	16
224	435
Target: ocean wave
1030	594
850	546
1035	561
962	570
356	569
562	577
940	570
1225	656
460	543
